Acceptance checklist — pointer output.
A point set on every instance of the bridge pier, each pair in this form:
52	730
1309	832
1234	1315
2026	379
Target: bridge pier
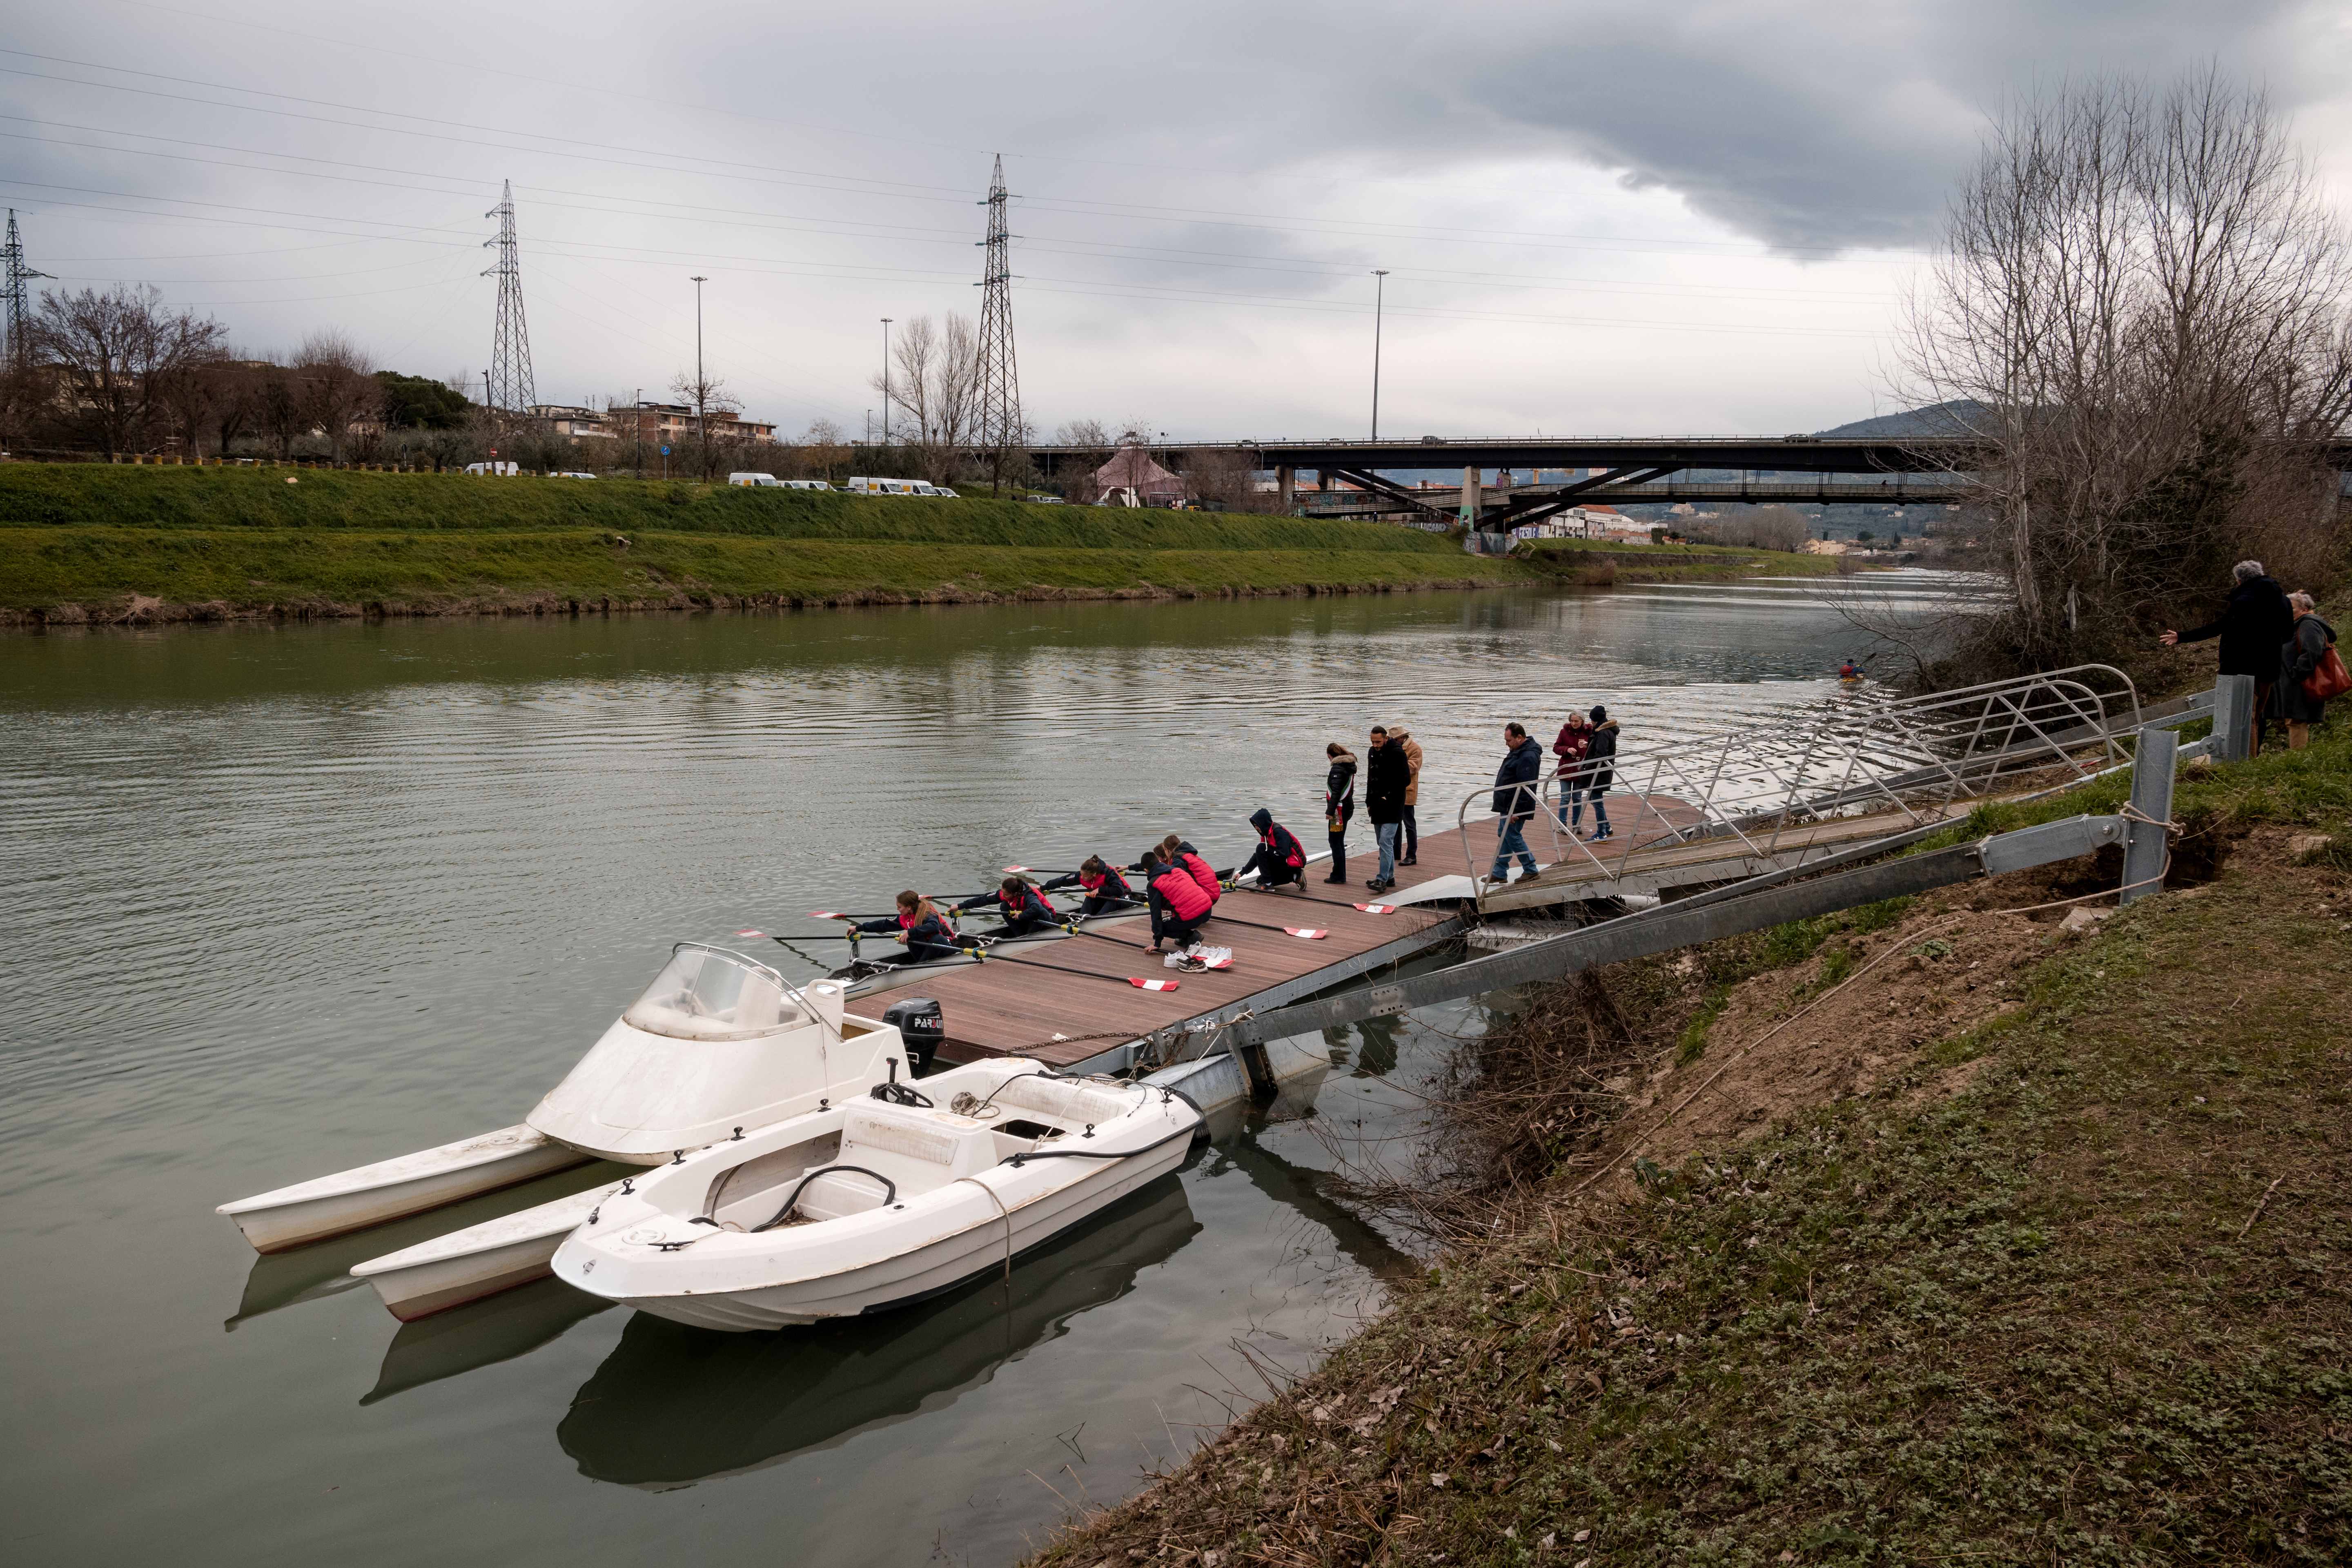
1286	481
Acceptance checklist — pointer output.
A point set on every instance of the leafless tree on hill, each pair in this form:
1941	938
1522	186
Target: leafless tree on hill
708	397
337	388
2144	298
934	386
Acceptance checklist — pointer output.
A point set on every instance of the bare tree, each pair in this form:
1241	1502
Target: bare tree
337	388
934	385
706	396
2142	301
112	353
1227	476
1092	445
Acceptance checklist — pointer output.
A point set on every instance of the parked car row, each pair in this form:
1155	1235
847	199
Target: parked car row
858	486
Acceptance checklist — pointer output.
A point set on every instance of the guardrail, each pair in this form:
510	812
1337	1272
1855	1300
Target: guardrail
1768	794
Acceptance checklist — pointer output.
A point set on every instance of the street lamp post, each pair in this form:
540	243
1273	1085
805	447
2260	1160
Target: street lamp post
886	383
1379	299
701	388
637	430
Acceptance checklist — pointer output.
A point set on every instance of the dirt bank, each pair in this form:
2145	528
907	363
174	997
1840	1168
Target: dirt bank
1930	1232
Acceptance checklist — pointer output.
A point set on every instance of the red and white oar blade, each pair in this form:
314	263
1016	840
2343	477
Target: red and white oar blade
1306	934
1015	870
750	933
1151	984
827	915
1379	908
1225	962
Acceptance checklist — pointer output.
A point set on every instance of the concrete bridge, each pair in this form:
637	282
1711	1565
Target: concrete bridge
1612	470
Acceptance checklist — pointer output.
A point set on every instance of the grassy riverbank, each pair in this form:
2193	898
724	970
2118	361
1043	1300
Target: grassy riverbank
1926	1232
82	542
1597	561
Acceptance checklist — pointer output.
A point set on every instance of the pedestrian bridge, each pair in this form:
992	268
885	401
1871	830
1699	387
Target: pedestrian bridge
1851	776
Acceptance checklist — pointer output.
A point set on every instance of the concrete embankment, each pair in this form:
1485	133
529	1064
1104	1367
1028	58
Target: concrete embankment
1932	1230
82	543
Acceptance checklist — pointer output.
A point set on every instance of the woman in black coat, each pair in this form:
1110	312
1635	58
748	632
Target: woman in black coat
1339	806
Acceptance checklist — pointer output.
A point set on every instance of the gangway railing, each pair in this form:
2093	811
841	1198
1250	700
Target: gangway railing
1811	780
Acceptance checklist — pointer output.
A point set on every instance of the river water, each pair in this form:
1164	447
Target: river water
284	899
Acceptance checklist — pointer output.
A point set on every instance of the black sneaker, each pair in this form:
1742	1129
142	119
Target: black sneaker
1337	877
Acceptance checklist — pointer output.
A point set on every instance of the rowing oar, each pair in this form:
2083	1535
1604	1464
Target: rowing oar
1305	934
1137	981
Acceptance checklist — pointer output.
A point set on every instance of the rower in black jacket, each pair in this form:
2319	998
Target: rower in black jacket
1279	857
919	925
1019	904
1107	889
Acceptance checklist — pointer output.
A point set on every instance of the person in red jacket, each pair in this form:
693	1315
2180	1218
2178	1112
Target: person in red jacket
1178	904
1177	853
1575	740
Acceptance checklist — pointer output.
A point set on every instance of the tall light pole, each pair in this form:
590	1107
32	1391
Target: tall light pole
701	388
1380	299
637	430
886	381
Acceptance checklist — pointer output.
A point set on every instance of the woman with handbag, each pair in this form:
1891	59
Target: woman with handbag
2310	672
1339	806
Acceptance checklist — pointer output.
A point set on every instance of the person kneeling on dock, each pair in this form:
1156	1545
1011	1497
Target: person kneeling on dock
1177	903
1279	860
1019	904
1106	888
1185	858
920	926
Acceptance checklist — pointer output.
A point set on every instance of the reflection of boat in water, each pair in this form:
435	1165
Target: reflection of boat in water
478	1334
674	1404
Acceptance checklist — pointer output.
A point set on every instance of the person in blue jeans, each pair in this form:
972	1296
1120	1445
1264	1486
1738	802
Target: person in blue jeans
1387	773
1569	748
1515	801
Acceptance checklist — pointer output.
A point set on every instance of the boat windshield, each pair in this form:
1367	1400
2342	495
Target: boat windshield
703	994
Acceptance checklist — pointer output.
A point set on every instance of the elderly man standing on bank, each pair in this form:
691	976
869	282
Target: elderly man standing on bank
2254	623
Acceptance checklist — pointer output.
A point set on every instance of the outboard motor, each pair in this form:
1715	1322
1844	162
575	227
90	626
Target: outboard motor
923	1024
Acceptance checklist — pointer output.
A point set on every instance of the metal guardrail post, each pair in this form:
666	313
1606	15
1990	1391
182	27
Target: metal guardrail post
2234	717
2146	847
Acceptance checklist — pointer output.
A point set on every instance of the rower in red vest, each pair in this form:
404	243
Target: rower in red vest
1105	888
1279	858
1178	854
1022	907
1177	903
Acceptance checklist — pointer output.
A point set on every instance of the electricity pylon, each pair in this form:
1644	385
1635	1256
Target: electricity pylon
509	389
13	275
1001	432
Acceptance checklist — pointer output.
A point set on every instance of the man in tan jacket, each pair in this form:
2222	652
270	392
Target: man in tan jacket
1411	796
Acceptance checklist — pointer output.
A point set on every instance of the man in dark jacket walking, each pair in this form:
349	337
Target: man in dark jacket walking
1514	802
2253	622
1386	774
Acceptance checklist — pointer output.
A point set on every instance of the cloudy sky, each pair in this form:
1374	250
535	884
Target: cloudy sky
1598	216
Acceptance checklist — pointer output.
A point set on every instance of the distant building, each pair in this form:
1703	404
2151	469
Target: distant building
574	420
672	423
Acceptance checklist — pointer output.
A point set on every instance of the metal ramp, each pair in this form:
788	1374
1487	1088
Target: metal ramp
1821	782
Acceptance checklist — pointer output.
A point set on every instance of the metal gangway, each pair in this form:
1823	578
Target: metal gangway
1840	778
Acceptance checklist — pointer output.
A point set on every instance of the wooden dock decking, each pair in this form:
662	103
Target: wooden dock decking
1007	1006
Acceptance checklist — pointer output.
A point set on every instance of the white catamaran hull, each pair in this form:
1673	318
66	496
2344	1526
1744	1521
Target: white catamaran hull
411	1183
481	1260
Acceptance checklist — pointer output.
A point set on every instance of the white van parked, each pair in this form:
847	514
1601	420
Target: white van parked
762	481
574	474
868	487
496	470
807	485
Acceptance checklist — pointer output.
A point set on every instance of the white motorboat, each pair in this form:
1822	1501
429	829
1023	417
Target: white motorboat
718	1043
877	1202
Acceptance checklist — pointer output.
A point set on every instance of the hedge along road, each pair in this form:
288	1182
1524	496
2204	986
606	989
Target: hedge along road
79	542
294	897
